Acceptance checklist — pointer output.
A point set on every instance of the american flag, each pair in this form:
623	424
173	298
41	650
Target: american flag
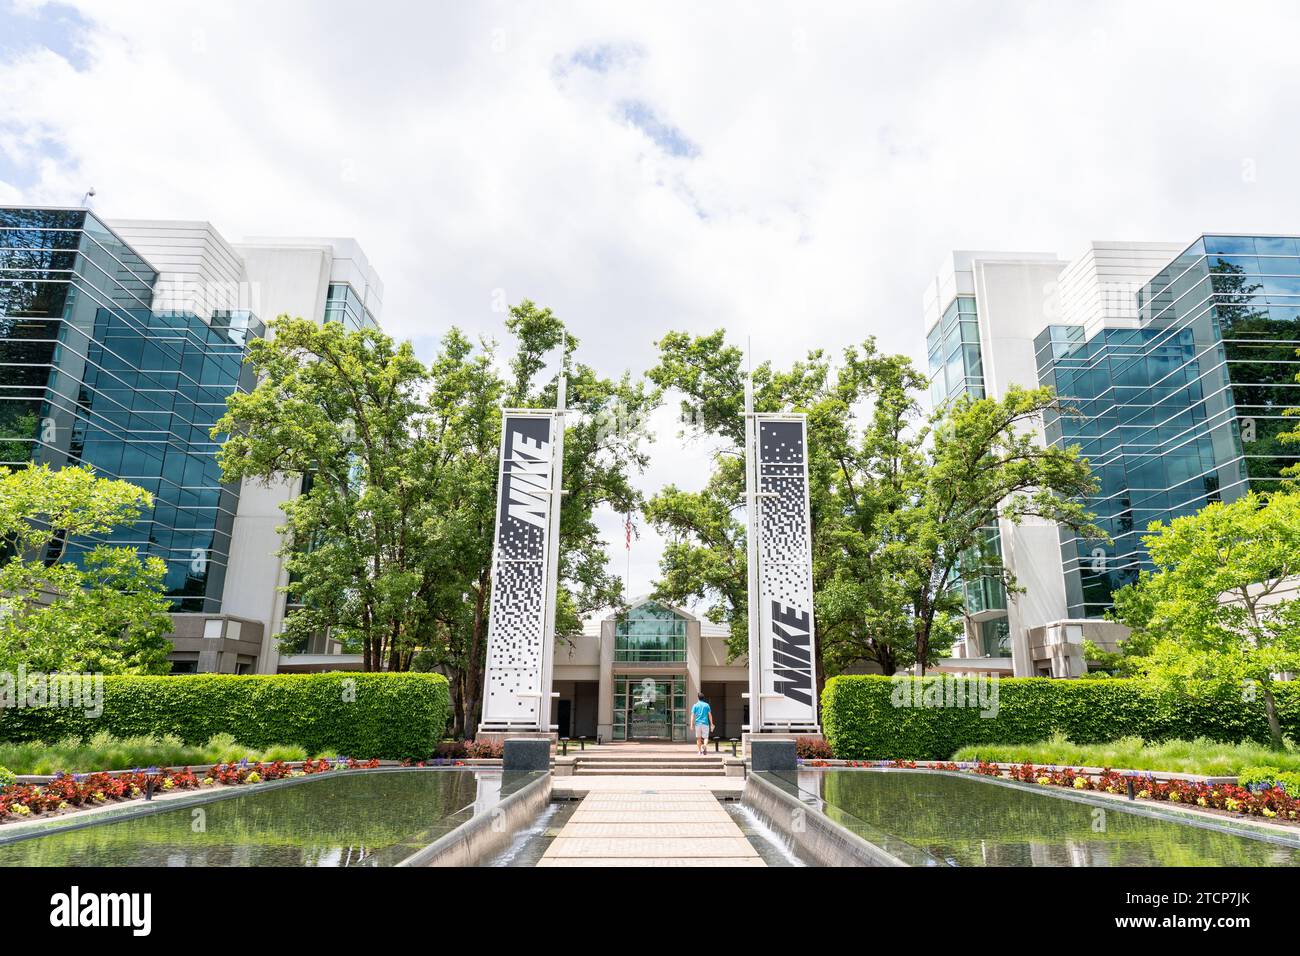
627	528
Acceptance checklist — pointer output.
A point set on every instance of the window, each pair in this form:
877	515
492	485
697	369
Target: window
650	633
342	304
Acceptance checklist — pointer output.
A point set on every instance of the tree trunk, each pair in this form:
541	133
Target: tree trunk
1270	708
475	656
456	687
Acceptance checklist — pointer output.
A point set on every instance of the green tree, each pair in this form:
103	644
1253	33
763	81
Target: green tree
899	501
603	446
1291	473
391	546
344	410
1216	609
106	613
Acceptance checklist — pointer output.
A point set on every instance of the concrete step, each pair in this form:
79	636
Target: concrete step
713	773
717	765
656	758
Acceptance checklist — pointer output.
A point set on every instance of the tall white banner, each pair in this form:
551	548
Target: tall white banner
787	683
518	684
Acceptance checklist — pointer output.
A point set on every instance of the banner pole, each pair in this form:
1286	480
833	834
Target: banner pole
751	563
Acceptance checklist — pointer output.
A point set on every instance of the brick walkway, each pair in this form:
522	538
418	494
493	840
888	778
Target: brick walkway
640	827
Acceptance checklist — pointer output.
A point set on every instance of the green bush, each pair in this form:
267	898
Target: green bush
389	716
1200	756
106	752
1271	777
7	776
862	722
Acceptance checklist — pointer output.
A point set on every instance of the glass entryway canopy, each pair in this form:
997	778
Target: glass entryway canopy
650	633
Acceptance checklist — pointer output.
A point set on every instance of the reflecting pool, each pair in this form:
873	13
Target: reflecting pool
965	820
344	818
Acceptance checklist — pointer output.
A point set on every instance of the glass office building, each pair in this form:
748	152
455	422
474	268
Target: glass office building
342	304
956	369
90	374
954	353
1182	410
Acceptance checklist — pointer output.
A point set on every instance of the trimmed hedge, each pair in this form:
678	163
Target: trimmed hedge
389	716
861	721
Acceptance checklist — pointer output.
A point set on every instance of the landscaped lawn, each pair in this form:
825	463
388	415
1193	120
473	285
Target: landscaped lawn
106	752
1199	756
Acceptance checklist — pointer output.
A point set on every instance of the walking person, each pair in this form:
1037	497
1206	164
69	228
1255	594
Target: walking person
702	718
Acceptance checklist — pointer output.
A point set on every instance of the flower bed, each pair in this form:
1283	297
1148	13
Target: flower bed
70	792
1259	800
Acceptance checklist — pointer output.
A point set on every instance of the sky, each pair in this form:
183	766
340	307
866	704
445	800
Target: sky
793	173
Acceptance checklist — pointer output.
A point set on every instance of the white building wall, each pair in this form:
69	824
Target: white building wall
200	272
1018	295
287	277
1099	288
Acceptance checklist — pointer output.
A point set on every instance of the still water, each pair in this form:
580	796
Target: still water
967	821
345	818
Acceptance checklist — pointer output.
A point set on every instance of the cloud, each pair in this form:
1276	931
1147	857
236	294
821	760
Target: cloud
793	175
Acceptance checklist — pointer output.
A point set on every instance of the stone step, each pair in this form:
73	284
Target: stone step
662	761
648	772
652	771
659	758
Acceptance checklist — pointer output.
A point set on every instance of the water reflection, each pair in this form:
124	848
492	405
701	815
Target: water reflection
348	818
966	821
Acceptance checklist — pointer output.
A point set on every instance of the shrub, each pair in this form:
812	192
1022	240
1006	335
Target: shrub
7	777
1262	778
1200	756
484	749
861	721
389	716
106	752
450	749
812	748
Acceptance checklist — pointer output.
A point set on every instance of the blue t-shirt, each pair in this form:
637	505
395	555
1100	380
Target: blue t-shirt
700	712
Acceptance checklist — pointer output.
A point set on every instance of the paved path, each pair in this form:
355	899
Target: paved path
641	826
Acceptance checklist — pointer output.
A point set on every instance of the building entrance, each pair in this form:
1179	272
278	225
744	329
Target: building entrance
649	708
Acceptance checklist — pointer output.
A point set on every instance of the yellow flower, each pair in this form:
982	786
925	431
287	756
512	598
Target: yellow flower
168	784
21	809
1044	780
254	777
1080	783
1202	802
1268	813
1173	795
1144	794
208	781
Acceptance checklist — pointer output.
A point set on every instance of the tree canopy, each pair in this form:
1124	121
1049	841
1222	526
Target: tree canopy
1220	605
900	500
104	612
390	545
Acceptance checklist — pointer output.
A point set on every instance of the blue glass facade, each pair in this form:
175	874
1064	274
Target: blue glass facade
89	374
342	304
1183	410
957	368
953	345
